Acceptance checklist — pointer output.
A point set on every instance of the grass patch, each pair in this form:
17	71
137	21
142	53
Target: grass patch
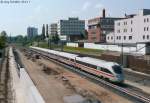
73	49
83	50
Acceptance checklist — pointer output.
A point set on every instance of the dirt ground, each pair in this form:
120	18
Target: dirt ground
55	82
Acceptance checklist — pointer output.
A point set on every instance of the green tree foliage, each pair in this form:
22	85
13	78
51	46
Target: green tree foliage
84	34
3	39
43	32
55	38
47	31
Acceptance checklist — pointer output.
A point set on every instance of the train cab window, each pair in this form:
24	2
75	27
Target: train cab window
117	69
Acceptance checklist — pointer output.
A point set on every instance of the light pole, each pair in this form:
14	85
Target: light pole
49	43
122	55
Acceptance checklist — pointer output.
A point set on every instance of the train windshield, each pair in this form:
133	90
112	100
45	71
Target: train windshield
117	69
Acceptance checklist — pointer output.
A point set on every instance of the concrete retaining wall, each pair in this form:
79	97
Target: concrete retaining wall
73	44
24	91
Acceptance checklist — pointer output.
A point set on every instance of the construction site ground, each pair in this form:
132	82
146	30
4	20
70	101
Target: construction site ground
54	82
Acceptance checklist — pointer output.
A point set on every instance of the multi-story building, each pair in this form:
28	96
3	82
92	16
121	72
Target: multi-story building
133	29
73	28
99	27
32	32
53	29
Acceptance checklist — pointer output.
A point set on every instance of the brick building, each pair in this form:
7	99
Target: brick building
99	27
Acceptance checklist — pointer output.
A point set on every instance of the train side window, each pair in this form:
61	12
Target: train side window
98	68
92	66
72	60
102	69
106	70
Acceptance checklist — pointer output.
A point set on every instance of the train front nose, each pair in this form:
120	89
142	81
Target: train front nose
120	78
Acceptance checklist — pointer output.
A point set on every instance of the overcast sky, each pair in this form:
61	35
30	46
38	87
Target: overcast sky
15	18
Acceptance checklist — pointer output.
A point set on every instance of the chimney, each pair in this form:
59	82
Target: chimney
104	15
125	15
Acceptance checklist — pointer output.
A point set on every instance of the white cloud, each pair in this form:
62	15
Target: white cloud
86	5
84	8
99	6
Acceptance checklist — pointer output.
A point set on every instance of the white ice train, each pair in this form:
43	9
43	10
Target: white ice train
108	70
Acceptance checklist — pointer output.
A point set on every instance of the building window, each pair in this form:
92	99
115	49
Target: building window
124	37
130	37
125	23
108	37
118	24
125	30
131	30
143	37
147	28
119	37
131	22
147	19
147	36
112	38
93	38
144	20
118	31
144	28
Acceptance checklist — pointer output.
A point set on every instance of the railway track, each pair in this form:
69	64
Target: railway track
130	93
138	78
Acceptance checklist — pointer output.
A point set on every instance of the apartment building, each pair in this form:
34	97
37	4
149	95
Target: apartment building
134	28
53	29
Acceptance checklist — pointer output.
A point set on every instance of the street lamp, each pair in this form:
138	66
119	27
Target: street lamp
50	42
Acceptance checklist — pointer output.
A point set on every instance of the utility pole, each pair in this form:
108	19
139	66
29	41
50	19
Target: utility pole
122	55
49	43
62	46
38	41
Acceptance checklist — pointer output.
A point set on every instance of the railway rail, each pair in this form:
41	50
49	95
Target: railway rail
138	78
135	96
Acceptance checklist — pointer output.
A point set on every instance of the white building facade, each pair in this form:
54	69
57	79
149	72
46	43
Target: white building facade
132	29
53	29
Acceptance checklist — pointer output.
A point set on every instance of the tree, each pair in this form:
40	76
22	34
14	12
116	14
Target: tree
3	39
84	34
43	32
55	38
19	38
47	30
